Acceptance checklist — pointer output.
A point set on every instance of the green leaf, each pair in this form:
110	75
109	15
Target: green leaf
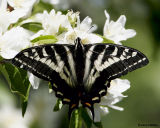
105	40
47	39
87	120
75	121
18	81
4	72
32	26
1	58
41	6
98	124
24	101
24	106
58	105
50	87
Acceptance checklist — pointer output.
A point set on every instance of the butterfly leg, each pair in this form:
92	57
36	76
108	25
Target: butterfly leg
108	84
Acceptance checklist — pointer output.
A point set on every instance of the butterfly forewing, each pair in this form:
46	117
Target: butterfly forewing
105	62
49	62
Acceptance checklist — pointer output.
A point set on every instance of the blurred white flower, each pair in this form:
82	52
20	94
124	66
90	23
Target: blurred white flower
35	81
13	41
114	95
22	8
11	117
53	2
115	30
59	4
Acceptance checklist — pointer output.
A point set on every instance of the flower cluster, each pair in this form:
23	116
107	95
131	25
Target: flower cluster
65	28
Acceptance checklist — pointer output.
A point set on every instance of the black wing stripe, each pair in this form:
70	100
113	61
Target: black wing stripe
93	57
51	54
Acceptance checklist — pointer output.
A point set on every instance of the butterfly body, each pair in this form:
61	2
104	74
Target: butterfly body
79	58
80	74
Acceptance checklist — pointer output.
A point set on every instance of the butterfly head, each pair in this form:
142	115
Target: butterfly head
78	44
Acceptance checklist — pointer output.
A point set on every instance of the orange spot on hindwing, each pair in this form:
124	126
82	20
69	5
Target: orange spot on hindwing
88	104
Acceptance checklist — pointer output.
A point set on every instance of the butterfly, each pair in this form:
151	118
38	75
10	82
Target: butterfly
80	74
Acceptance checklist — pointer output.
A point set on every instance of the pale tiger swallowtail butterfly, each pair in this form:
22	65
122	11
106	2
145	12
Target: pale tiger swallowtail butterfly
80	73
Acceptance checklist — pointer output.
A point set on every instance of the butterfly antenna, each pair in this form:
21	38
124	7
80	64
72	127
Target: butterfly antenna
88	31
90	28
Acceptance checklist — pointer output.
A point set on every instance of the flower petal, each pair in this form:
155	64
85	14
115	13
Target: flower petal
104	110
93	38
119	85
107	16
97	117
86	24
129	33
122	20
35	81
4	16
116	107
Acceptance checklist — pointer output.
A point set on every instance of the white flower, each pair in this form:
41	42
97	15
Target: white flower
5	17
35	81
52	22
13	41
22	8
114	95
115	30
84	31
11	117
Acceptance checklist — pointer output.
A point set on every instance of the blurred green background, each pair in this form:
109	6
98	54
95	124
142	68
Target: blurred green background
142	106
